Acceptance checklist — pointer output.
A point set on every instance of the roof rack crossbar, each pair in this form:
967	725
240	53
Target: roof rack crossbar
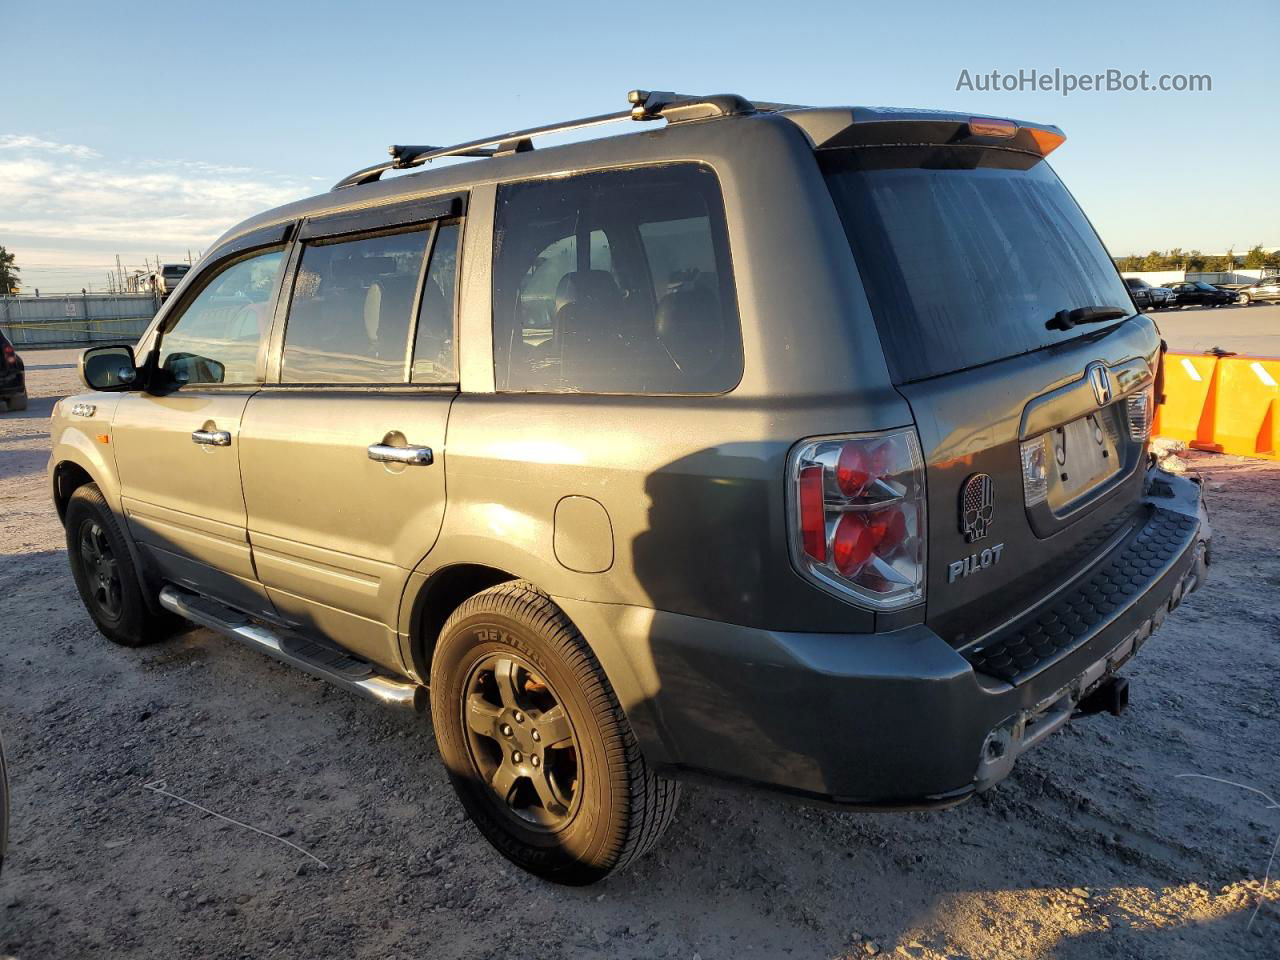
646	105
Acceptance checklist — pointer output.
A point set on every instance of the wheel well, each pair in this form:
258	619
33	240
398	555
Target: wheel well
447	590
67	478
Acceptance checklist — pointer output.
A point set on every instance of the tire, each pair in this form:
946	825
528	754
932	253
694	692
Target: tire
1243	299
109	584
17	402
508	664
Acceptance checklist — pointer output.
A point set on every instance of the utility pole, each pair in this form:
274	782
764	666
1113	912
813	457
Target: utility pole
188	256
119	274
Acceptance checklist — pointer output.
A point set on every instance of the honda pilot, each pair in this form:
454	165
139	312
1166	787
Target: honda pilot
797	448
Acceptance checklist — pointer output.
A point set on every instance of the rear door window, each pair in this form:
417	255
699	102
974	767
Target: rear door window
966	253
351	310
615	282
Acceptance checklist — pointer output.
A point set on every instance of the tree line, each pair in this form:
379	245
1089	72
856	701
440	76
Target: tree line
1197	262
8	274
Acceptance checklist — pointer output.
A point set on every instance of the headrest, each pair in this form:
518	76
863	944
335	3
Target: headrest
689	325
386	305
595	287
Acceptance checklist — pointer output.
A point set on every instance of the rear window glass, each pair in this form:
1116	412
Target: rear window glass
615	282
965	253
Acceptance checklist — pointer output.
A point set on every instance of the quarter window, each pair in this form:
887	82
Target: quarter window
217	336
434	354
615	282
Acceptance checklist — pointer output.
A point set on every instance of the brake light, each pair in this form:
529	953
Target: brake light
858	515
10	357
1139	409
990	127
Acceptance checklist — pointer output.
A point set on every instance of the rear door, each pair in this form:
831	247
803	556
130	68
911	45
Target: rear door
343	449
968	255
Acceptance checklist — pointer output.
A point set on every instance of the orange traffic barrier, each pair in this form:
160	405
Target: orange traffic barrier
1223	404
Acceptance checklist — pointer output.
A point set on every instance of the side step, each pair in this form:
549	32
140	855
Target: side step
340	669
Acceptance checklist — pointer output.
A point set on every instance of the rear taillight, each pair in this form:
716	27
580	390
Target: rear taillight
857	517
1139	408
1035	470
10	357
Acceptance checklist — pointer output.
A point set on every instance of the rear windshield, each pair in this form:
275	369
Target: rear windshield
966	252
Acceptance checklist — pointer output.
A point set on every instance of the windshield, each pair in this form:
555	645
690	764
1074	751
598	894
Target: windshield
966	252
1204	286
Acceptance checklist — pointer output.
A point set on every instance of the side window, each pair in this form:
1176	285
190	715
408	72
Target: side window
351	310
615	282
434	351
216	337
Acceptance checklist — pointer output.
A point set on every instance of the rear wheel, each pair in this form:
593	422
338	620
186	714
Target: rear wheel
109	584
17	402
1243	299
535	742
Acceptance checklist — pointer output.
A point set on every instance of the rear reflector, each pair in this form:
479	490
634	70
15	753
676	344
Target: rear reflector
1047	140
988	127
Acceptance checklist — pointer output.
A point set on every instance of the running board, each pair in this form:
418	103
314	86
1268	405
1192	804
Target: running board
340	669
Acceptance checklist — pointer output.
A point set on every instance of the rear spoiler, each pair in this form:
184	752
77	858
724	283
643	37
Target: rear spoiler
835	127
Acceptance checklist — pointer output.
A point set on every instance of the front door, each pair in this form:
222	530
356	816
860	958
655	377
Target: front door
177	449
343	450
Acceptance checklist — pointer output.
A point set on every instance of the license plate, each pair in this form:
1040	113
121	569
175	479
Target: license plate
1086	456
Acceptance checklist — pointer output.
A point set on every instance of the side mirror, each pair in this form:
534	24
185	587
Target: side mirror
108	368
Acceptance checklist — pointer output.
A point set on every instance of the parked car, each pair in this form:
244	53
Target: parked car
692	455
1267	290
1199	293
1140	290
1162	297
13	376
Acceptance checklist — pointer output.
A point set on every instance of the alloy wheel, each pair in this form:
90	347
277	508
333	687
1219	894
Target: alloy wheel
101	570
521	742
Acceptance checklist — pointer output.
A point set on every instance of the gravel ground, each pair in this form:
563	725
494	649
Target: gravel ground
1096	846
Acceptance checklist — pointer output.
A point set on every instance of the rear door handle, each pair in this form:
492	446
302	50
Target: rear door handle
413	456
211	438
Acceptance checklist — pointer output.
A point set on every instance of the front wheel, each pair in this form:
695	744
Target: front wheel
109	584
535	742
1243	299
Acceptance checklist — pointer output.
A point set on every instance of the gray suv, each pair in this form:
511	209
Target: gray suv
799	448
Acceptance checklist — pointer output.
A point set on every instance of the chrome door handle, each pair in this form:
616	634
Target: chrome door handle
211	438
414	456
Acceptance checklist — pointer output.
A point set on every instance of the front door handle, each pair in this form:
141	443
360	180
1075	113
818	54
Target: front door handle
211	438
413	456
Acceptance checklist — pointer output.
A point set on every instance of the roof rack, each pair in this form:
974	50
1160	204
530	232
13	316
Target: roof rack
645	105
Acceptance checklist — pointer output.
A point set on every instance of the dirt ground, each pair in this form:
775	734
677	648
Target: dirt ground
1099	845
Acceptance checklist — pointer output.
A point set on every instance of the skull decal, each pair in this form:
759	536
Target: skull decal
977	506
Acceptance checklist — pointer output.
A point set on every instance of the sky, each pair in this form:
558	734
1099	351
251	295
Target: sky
146	130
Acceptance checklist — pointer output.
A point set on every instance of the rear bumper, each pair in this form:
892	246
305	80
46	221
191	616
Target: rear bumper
889	720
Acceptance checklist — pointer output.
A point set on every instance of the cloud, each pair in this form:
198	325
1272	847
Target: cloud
16	141
62	203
